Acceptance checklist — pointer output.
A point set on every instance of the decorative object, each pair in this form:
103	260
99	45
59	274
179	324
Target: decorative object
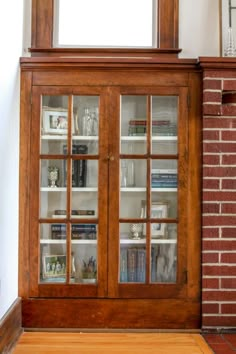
159	210
89	270
55	120
53	175
54	266
227	12
136	231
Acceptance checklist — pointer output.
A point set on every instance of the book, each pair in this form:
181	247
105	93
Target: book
58	231
83	231
132	264
141	265
79	167
83	212
78	231
123	265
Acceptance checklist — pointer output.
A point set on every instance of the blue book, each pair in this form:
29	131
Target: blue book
123	265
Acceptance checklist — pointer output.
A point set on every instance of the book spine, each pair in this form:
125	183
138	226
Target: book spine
58	231
81	166
123	265
132	263
75	212
141	265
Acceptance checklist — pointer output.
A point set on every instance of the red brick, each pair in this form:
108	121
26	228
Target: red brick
212	84
219	171
228	258
211	208
218	245
219	321
229	85
212	96
221	74
220	270
211	159
210	283
211	109
210	232
228	208
229	160
219	147
218	220
210	308
228	135
210	258
229	232
210	183
228	283
211	135
219	196
219	123
215	295
228	308
228	110
229	184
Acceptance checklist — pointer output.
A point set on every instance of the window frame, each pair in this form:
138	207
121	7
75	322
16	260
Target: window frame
43	26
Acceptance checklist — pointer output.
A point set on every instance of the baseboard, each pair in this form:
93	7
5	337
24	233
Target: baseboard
10	327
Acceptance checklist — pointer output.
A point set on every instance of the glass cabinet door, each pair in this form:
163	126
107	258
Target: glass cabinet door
68	189
149	193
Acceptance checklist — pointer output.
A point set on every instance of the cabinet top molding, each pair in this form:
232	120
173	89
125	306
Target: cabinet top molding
147	62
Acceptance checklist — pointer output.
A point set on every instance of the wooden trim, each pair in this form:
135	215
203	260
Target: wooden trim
42	26
10	327
25	114
168	23
42	23
111	313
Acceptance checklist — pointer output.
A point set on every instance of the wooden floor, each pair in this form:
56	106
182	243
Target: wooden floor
111	343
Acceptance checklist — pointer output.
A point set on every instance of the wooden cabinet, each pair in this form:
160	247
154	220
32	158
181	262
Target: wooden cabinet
110	193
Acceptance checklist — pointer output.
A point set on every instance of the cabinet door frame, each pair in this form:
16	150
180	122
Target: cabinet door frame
150	290
37	289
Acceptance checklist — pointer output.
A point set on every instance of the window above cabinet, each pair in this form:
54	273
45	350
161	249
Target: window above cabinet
162	33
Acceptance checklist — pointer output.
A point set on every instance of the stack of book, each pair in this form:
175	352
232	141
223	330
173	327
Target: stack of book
132	264
164	178
138	127
78	231
79	167
80	213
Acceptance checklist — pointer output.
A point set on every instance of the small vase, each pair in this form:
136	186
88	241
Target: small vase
230	45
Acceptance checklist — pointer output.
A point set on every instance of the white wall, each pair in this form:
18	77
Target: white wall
199	28
11	35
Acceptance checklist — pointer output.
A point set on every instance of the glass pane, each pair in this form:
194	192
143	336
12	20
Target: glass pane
164	124
136	31
86	120
133	124
84	253
132	261
52	190
53	253
85	193
132	187
54	124
164	254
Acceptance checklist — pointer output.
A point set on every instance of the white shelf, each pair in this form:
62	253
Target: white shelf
143	189
81	242
64	189
133	189
155	138
143	241
74	216
164	189
64	137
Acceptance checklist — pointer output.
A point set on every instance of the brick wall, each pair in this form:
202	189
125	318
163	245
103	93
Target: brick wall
219	199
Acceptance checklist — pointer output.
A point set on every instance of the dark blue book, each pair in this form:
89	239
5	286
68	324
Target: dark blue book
141	265
123	265
132	264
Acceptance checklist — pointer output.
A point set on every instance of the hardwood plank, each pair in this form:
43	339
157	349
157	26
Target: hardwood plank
112	343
